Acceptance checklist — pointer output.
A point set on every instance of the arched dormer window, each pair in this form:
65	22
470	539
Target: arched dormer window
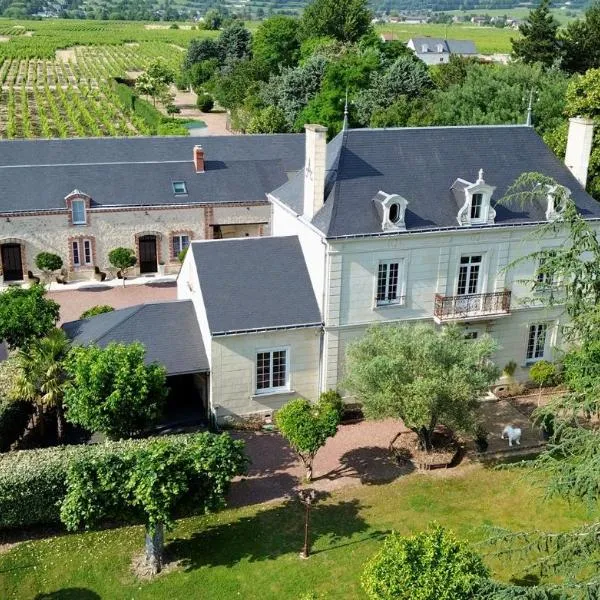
78	204
474	200
391	209
557	196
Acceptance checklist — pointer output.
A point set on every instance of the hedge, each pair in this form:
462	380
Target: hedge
33	482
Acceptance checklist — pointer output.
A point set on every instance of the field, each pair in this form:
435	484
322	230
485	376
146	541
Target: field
517	12
54	74
252	552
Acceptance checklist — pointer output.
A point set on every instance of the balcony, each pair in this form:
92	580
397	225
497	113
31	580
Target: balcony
471	307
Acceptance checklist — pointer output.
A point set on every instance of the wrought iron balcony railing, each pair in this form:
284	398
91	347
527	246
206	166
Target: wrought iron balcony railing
471	306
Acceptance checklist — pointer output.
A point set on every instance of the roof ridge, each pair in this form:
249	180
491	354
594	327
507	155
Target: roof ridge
432	127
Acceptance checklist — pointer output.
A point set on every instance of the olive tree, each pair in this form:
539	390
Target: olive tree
112	390
152	483
432	565
307	426
422	375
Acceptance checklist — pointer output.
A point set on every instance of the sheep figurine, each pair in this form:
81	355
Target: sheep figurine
513	434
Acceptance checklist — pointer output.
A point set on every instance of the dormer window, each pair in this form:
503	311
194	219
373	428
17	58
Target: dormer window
474	200
391	209
440	48
424	48
179	188
78	212
557	196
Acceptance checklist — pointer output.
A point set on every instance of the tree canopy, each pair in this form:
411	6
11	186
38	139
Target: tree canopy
275	43
421	375
344	20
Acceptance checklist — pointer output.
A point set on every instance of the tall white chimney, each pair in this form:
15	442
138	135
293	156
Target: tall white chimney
579	147
314	169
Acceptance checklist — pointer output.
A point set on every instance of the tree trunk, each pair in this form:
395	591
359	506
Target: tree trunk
425	439
60	422
155	544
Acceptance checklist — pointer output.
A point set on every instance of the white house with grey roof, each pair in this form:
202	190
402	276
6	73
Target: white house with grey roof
80	198
381	226
435	51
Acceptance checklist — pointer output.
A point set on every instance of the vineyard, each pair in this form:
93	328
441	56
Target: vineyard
55	75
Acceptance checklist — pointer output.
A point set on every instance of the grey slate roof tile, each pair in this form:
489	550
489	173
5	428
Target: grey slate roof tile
255	283
168	330
38	174
422	164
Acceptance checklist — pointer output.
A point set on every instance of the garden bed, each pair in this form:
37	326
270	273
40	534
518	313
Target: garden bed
447	450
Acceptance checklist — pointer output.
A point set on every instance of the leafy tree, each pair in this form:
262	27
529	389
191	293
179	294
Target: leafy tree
152	482
212	19
344	20
14	413
275	43
122	259
161	72
200	50
538	42
96	310
26	314
232	85
112	390
295	87
432	565
580	41
155	81
307	426
543	373
201	72
454	72
48	262
421	375
42	378
235	42
268	120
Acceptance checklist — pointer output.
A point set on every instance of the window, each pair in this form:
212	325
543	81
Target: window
179	188
271	371
536	341
82	252
180	243
476	206
468	275
471	335
78	212
389	284
544	276
394	212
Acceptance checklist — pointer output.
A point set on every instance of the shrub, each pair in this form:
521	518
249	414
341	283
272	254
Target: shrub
205	103
48	262
432	565
33	482
170	127
333	398
543	373
14	416
181	255
96	310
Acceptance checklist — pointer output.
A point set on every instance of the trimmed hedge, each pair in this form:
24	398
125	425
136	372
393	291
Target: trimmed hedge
33	482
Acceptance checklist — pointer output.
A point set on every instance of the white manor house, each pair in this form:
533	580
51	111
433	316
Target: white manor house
379	226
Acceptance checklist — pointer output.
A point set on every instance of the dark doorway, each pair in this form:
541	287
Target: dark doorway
148	262
187	400
11	262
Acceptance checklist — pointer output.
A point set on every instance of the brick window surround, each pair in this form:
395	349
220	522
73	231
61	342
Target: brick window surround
172	256
77	195
79	239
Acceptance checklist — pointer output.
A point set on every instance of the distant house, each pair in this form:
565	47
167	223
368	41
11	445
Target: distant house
434	51
388	37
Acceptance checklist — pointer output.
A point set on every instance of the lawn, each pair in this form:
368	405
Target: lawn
252	552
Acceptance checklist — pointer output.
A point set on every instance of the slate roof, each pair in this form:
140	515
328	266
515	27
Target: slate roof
38	174
168	330
452	46
421	164
254	284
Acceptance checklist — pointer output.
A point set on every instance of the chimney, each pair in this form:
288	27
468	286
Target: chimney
314	169
199	159
579	147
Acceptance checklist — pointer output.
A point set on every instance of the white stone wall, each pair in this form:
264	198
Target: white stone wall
113	228
233	370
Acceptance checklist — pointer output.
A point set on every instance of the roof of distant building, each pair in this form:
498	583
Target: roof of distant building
39	174
449	46
168	330
421	164
255	284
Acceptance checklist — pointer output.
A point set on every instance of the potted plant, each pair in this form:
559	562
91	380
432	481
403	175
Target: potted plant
161	268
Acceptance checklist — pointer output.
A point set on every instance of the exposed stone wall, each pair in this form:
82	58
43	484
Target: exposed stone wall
111	228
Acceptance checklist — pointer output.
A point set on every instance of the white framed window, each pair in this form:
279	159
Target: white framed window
179	243
390	283
78	216
468	275
82	253
272	370
544	278
536	342
476	206
179	188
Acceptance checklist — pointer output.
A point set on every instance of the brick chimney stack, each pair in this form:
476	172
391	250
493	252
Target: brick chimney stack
199	159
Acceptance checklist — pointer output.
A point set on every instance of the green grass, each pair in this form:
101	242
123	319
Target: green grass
517	12
253	552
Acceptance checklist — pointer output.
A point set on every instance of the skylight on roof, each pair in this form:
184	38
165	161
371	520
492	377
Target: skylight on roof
179	188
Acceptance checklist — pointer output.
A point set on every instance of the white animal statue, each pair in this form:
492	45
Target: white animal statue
513	434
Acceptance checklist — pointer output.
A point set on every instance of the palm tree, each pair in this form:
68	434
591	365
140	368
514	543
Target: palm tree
42	376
